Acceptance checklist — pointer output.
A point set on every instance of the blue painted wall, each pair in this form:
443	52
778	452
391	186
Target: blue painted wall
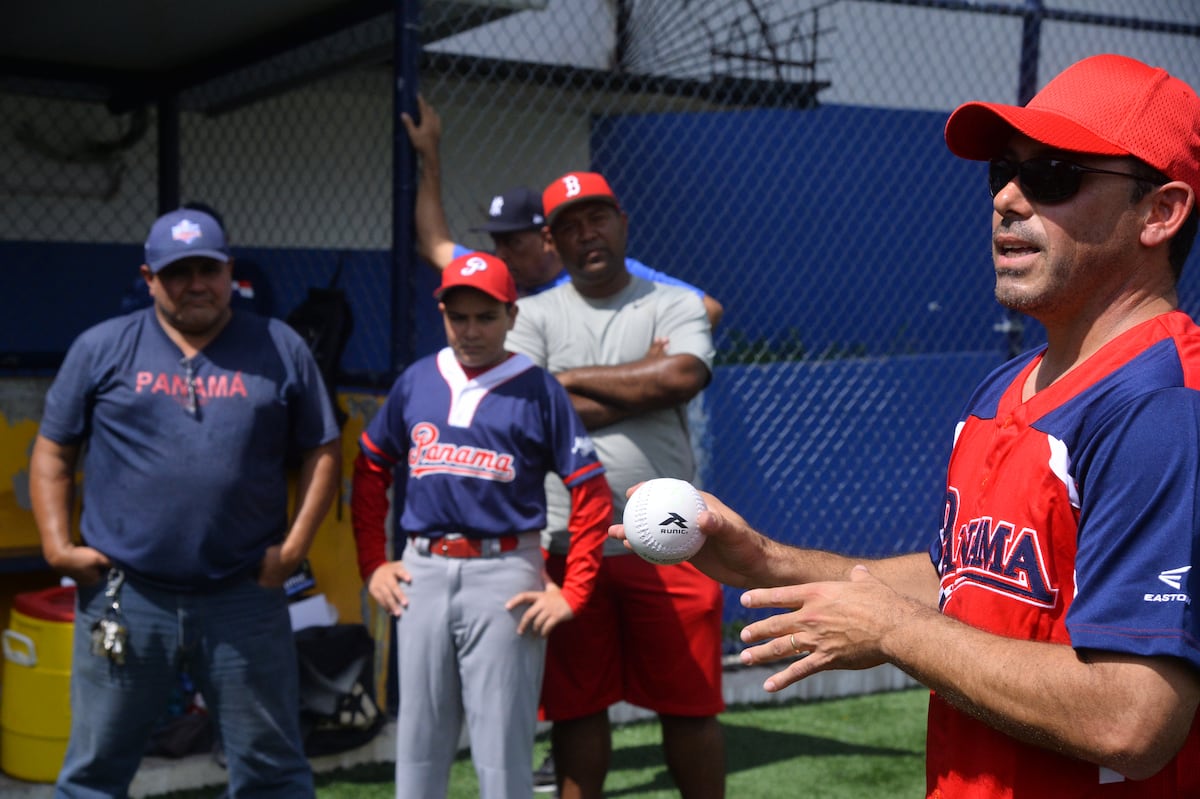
843	226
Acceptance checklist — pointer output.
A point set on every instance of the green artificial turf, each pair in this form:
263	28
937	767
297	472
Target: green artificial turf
863	746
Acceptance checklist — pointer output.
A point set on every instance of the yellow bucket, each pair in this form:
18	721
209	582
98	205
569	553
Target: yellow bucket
35	708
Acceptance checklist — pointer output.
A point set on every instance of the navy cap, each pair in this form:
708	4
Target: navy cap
184	233
515	209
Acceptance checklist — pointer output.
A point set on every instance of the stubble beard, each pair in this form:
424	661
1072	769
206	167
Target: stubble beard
1029	300
197	321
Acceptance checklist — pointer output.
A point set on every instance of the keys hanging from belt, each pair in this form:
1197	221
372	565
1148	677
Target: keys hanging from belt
109	634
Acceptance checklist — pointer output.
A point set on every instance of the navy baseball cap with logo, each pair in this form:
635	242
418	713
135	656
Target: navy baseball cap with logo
515	209
184	233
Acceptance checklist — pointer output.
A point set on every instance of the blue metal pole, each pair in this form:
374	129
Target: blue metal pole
1031	39
405	62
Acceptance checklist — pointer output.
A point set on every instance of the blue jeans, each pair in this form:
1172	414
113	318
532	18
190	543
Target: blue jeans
238	647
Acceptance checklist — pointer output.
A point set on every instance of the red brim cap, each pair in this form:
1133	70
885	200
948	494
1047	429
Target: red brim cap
1107	105
574	188
981	131
482	272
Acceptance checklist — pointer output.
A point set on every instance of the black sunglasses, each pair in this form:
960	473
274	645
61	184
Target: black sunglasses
1046	180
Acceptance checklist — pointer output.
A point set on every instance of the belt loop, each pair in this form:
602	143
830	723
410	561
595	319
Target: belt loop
420	544
489	547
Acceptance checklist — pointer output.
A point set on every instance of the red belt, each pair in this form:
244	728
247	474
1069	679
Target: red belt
468	547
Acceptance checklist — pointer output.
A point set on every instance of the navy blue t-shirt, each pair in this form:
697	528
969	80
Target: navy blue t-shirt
186	485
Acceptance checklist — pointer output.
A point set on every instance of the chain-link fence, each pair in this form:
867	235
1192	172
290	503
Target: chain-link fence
783	155
787	158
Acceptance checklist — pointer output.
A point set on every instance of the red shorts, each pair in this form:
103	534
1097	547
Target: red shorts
650	635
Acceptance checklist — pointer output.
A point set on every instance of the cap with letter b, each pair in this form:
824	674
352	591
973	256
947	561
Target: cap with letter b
573	188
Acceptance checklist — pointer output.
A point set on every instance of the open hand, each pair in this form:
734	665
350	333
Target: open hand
833	625
547	609
385	586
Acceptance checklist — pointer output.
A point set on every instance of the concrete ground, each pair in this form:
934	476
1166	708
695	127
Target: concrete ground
742	685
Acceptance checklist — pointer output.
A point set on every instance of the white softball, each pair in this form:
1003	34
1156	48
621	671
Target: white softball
660	520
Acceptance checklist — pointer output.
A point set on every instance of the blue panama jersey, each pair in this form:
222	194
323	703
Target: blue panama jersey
187	498
472	454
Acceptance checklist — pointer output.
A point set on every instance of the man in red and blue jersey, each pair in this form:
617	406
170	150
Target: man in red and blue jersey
1053	618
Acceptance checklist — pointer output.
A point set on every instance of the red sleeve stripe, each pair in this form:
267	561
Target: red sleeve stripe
586	473
371	449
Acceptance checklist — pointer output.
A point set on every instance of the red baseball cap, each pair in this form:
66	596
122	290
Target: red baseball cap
480	271
573	188
1103	105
